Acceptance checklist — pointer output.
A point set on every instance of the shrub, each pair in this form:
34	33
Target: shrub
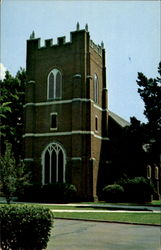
59	192
25	227
113	192
138	189
32	193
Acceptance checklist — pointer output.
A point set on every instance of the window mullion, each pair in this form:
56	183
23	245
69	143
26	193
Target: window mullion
57	160
63	169
54	87
57	174
50	166
43	172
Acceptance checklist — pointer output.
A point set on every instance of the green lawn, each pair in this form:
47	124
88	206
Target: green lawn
143	218
154	202
60	207
140	218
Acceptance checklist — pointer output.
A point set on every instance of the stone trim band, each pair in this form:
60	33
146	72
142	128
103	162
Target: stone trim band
63	102
65	133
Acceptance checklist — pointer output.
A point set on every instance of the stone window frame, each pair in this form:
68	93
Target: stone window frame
96	88
51	115
53	147
96	123
149	172
156	173
55	86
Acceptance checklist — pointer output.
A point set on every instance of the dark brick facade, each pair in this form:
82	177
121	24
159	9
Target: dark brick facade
77	112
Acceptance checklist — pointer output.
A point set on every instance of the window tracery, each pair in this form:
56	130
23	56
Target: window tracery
54	85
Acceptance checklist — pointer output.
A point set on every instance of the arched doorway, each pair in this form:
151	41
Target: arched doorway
53	164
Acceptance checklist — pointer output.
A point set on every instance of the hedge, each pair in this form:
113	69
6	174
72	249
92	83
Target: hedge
113	193
25	227
138	189
58	192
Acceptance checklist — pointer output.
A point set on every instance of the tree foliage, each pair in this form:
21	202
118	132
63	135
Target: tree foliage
139	134
13	176
129	156
8	173
12	99
150	92
138	189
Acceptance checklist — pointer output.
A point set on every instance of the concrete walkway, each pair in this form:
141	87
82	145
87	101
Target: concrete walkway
100	211
109	208
77	235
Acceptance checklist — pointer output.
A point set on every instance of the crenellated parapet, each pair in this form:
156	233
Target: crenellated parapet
35	43
97	48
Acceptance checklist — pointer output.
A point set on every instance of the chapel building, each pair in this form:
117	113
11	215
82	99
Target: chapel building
70	136
66	112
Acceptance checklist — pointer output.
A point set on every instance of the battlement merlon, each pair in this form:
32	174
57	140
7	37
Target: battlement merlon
34	43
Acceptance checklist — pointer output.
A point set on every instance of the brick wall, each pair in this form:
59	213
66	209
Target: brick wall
78	61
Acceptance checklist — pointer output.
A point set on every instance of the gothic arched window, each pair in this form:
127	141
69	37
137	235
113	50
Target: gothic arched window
54	85
53	164
96	88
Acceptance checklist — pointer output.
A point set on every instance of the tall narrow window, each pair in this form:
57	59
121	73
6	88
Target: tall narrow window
95	87
53	164
51	86
96	123
53	121
156	173
54	86
58	85
148	171
47	170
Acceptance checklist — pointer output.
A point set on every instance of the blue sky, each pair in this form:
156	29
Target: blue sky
130	31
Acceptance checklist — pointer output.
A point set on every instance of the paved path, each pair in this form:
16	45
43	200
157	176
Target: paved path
115	206
106	208
100	211
67	235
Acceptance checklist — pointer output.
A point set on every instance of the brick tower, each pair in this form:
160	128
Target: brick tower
66	111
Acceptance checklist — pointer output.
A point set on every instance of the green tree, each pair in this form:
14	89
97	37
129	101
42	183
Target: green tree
139	134
12	99
128	156
129	159
13	176
4	107
150	92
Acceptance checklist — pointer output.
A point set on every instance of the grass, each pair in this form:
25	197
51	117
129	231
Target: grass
62	207
52	207
154	202
140	218
130	217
